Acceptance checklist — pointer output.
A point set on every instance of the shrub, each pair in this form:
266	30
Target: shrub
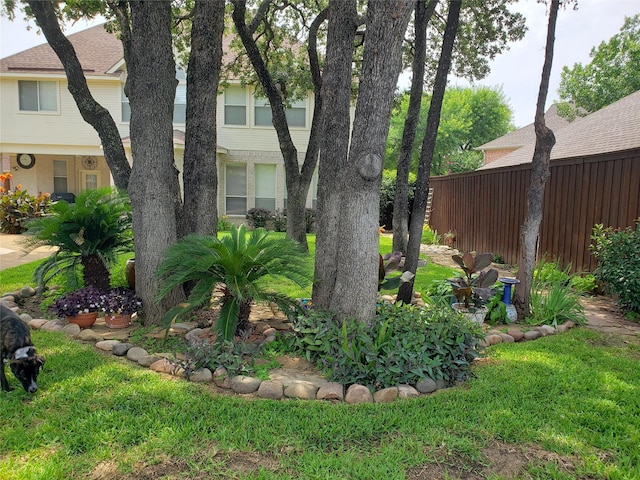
89	233
310	220
553	301
430	237
18	207
404	345
280	220
618	256
258	217
388	195
224	225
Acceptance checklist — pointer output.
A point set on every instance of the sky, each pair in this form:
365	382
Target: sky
517	71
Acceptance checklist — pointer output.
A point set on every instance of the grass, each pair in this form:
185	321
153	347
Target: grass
562	407
572	396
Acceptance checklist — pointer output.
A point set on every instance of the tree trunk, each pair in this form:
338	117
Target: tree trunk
356	286
336	94
92	112
95	272
297	184
405	293
540	172
154	188
401	199
200	176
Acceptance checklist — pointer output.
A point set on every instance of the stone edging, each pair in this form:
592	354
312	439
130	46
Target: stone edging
307	389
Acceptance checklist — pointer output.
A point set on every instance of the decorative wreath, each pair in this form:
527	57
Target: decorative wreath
26	160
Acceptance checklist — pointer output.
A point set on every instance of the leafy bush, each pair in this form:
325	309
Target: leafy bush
404	345
618	256
18	207
553	301
241	266
280	220
310	220
430	237
89	233
388	195
258	217
224	225
550	272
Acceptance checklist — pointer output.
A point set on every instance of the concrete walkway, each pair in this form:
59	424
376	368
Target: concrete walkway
12	254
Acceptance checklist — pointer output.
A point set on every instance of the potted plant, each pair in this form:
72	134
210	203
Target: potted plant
118	305
80	306
473	289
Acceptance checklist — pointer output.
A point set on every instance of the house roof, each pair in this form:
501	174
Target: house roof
614	128
526	135
97	50
100	53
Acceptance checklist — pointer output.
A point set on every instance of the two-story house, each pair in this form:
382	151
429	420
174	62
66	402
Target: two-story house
47	146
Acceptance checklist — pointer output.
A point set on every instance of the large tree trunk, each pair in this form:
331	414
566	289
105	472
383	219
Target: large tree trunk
336	94
92	112
401	200
540	172
200	176
153	188
297	182
405	293
356	286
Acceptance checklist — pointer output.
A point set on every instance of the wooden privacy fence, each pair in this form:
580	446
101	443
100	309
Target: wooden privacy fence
486	208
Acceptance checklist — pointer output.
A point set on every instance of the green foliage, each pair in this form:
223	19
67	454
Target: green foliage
258	217
618	256
18	207
475	285
403	345
613	73
224	225
280	221
239	267
430	237
550	272
389	264
97	225
553	301
470	117
388	195
496	309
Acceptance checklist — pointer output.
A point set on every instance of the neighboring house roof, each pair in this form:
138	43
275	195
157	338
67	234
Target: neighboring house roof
526	135
97	50
612	129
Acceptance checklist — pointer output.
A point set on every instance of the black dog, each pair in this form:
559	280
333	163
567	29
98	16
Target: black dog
17	350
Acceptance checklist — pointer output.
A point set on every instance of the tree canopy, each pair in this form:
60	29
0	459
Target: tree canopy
470	117
613	73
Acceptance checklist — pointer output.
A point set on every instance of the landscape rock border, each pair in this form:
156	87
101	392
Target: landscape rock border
312	388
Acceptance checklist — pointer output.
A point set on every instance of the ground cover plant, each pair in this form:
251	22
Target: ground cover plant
563	407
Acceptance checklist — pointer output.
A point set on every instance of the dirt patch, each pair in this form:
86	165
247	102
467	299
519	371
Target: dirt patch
502	460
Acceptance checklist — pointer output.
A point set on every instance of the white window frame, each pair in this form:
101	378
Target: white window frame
267	192
40	84
235	195
83	179
230	103
66	175
261	103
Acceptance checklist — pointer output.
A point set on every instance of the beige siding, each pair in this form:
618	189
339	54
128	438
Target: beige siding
45	132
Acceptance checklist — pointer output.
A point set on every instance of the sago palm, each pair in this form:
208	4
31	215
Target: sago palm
88	233
240	266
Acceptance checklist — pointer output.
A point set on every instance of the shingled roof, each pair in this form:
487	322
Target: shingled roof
98	51
612	129
526	135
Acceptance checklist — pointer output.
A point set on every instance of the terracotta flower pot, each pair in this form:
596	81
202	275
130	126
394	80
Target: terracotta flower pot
117	321
83	320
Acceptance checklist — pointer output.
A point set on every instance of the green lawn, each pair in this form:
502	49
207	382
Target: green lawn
561	407
565	407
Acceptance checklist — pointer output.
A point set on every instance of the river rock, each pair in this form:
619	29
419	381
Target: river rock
136	353
301	390
532	335
426	385
202	375
244	384
89	335
386	395
272	390
357	393
331	391
121	349
407	391
107	345
72	329
148	360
